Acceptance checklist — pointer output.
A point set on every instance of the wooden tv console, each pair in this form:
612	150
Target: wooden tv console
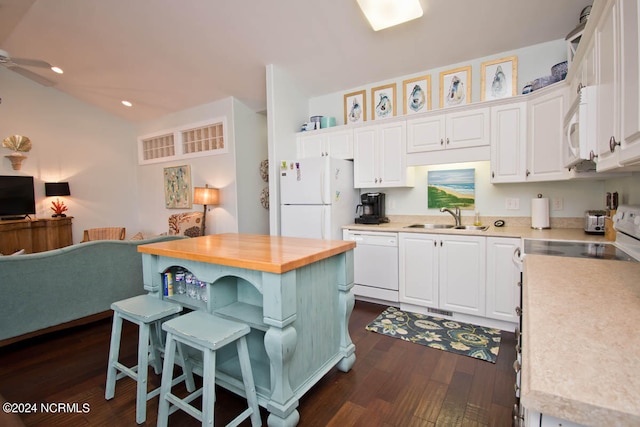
35	235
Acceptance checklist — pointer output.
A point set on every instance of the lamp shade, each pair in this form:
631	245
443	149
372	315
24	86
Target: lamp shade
56	189
387	13
206	196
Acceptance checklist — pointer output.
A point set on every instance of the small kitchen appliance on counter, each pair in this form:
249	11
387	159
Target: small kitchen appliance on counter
371	209
594	221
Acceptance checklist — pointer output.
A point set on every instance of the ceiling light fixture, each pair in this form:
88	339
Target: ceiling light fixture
387	13
127	104
57	70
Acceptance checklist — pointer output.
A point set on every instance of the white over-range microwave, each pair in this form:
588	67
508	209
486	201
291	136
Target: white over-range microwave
580	129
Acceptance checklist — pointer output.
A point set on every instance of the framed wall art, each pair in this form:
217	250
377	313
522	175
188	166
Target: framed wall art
499	78
454	188
455	87
383	101
355	107
177	187
416	95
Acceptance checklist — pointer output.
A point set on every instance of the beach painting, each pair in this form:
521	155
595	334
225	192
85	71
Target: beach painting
451	189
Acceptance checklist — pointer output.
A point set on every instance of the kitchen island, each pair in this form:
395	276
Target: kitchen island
294	293
580	339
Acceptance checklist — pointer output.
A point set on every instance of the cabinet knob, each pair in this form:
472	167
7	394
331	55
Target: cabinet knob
493	174
440	242
593	156
613	143
518	311
447	141
580	86
441	141
528	173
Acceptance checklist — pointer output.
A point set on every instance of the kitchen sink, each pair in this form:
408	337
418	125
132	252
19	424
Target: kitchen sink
431	226
472	227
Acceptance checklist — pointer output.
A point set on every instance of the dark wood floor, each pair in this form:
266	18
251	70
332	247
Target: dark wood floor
393	383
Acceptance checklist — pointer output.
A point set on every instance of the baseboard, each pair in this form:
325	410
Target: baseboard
77	322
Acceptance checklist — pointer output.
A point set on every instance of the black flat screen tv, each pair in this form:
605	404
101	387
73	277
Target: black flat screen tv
17	198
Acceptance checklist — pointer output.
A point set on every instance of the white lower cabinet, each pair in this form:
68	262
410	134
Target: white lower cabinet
503	278
446	272
418	255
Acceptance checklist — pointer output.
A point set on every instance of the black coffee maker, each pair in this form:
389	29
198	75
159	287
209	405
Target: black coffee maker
371	209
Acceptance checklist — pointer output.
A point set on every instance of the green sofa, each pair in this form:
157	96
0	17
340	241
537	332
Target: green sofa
44	291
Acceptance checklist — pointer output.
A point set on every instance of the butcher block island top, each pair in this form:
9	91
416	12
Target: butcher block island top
294	293
273	254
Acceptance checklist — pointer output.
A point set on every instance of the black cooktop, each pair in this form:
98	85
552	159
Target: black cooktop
575	249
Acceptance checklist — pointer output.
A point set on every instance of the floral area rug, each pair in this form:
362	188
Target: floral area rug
444	334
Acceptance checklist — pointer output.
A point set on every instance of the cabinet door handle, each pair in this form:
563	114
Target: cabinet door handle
528	173
441	243
593	156
518	311
447	141
435	243
441	141
613	143
493	174
580	86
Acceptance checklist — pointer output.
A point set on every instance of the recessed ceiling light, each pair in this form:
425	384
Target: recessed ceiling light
57	70
387	13
127	104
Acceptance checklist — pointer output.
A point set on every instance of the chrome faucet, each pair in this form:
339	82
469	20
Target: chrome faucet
456	214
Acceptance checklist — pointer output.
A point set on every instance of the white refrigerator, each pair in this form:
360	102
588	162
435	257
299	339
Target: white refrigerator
317	197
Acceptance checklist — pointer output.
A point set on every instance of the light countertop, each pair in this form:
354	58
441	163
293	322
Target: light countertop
581	342
272	254
575	234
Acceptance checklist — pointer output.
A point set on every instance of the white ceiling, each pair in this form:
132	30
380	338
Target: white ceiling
169	55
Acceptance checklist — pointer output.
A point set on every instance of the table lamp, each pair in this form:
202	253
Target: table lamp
57	189
205	196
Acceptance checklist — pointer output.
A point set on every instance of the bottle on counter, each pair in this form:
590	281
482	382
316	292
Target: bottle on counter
476	220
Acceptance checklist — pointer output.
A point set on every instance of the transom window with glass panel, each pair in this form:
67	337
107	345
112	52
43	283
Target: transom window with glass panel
195	140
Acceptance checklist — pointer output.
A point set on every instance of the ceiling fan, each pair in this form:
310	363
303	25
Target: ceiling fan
14	64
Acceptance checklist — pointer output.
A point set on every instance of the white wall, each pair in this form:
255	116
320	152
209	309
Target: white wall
218	171
251	149
533	62
628	189
72	141
287	109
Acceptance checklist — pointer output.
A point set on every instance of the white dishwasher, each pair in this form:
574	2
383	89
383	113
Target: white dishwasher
375	264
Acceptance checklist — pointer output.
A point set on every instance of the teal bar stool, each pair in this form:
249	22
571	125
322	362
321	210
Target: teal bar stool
147	312
207	333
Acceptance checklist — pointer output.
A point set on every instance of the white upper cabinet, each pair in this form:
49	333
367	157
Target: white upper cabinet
332	143
441	131
630	77
380	156
545	122
608	84
509	142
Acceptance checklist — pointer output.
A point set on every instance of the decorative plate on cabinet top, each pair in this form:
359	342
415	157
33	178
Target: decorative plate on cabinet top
264	170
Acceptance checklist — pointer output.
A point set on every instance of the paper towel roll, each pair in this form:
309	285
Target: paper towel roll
540	213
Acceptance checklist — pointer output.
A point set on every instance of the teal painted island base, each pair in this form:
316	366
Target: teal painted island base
295	294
